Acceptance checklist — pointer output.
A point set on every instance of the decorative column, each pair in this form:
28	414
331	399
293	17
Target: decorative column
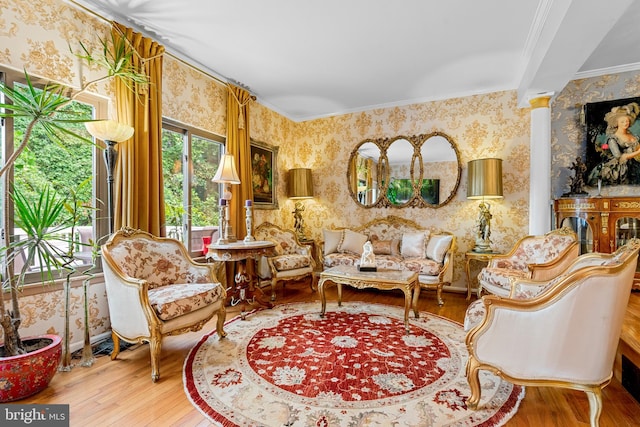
540	162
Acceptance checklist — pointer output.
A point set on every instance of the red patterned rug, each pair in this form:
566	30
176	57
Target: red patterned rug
356	366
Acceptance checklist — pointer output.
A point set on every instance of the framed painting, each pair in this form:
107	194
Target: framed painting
612	136
264	175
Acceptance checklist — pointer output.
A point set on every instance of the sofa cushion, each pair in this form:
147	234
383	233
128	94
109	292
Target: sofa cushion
382	247
352	242
176	300
424	266
335	259
413	244
290	262
438	246
332	239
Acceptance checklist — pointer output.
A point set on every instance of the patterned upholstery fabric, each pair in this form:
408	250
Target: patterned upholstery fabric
159	263
172	301
291	262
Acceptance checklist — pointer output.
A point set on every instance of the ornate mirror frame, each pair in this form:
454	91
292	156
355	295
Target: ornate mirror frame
419	171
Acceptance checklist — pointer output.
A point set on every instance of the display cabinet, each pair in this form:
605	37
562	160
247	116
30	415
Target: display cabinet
602	223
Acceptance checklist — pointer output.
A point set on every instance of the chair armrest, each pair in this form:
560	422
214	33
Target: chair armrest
553	268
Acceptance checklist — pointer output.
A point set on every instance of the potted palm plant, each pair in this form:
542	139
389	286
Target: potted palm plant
43	108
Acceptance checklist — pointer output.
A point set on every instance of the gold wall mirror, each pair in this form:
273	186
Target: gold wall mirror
404	171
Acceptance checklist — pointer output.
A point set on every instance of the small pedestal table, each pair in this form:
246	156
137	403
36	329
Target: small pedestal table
244	289
406	281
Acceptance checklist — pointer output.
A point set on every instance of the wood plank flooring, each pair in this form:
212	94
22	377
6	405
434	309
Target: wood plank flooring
120	392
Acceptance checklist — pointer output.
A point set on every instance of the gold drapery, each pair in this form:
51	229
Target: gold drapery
238	144
139	192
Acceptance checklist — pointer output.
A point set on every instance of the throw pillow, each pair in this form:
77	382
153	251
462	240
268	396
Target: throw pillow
438	246
412	245
331	240
352	242
382	247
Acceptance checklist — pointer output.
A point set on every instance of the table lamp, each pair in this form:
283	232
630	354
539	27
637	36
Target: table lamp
299	186
227	175
484	182
111	132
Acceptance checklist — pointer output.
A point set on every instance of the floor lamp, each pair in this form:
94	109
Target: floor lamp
299	186
484	182
227	175
111	132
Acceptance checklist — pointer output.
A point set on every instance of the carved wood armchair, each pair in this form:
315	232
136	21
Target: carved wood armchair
532	257
154	289
561	332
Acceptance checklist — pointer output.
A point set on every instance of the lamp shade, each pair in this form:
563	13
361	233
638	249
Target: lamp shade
227	170
109	130
300	184
484	179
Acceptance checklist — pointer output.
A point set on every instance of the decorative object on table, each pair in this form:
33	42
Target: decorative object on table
576	182
111	132
248	205
227	175
264	175
223	240
294	384
484	182
368	258
206	241
299	186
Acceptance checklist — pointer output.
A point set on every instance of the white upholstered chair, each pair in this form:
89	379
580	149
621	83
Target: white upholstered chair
293	260
558	333
155	289
532	257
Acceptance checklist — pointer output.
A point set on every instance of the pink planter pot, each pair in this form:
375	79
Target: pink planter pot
28	374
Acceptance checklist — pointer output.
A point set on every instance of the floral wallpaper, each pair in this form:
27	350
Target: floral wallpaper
36	35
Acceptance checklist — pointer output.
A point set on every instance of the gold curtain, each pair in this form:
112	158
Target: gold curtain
138	189
238	144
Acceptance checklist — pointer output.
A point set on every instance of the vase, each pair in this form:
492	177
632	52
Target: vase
27	374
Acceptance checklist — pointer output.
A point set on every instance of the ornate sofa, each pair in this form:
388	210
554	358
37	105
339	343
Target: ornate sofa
561	332
293	260
532	257
154	289
398	244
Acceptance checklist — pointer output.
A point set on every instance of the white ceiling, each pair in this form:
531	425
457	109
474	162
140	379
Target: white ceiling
310	59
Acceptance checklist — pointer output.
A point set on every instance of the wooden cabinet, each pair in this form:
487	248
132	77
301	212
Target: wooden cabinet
602	223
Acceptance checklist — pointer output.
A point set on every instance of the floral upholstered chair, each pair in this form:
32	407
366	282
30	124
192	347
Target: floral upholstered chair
293	261
155	289
561	332
532	257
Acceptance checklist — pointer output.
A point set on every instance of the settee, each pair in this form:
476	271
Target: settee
398	244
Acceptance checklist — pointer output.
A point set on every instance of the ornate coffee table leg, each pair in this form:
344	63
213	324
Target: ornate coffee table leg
416	294
323	297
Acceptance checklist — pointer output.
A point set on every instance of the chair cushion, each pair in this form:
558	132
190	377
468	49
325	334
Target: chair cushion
500	277
290	262
474	315
176	300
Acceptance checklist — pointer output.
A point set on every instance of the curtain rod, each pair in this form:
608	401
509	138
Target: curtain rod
218	79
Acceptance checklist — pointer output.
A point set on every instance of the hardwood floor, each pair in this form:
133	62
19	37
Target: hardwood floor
121	393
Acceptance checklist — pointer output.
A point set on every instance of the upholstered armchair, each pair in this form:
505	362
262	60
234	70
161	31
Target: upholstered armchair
293	261
532	257
557	333
154	289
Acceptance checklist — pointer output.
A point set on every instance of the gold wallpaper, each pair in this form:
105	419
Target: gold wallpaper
35	34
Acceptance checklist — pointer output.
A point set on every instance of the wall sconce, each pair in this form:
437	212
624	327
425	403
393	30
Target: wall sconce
484	182
299	186
111	132
227	175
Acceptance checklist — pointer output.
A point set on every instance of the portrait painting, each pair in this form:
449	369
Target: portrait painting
613	142
264	175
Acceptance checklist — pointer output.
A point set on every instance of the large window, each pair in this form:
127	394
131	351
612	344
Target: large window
190	158
68	166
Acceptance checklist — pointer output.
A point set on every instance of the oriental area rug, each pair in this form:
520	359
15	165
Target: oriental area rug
287	366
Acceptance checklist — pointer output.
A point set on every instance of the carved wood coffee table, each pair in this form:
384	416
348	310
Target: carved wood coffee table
383	279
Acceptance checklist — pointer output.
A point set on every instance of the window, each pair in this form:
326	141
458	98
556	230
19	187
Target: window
190	159
69	166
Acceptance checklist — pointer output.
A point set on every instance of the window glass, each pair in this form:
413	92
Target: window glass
190	159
